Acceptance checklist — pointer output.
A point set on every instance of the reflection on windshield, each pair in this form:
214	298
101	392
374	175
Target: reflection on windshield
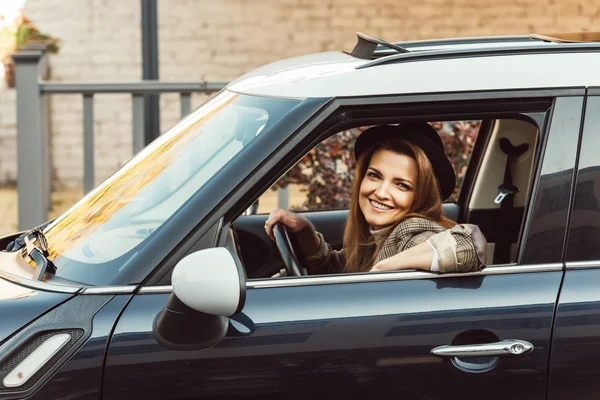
116	217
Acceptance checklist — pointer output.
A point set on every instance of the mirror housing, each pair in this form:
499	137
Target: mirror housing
208	287
211	281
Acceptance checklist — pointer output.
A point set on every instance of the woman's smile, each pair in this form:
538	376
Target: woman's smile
380	207
387	190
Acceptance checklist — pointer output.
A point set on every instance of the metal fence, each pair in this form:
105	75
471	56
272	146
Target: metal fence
33	161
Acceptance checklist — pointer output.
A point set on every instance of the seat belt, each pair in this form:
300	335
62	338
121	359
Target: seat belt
506	198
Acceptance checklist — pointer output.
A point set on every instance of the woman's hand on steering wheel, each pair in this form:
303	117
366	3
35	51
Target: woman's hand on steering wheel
291	232
293	222
288	250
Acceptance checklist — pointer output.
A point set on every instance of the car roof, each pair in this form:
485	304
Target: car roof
376	67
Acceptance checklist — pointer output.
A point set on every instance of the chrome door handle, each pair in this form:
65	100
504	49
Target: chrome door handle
504	347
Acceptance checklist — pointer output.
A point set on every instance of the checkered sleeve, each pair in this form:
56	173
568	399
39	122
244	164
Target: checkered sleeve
325	260
418	239
461	249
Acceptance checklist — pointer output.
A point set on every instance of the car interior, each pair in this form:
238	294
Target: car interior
494	194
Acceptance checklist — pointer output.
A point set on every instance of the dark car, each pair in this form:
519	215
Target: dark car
158	284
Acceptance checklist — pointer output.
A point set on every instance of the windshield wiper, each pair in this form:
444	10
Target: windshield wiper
19	241
36	247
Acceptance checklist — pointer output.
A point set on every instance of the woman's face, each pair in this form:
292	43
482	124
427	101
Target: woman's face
387	190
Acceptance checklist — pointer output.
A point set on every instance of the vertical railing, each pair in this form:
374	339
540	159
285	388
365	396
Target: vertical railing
283	198
88	142
186	103
137	107
33	172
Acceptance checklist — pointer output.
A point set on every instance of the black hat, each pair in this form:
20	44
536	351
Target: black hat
421	134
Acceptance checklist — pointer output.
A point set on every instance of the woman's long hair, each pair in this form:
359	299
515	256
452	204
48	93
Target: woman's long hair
358	243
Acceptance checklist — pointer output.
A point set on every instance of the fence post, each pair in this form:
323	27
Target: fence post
33	162
283	198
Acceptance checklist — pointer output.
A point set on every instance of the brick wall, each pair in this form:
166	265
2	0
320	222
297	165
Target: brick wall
219	40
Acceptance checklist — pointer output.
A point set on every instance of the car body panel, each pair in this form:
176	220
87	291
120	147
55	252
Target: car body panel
73	319
334	74
576	343
345	340
81	375
20	305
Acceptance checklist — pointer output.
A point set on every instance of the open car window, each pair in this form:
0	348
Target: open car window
322	179
319	187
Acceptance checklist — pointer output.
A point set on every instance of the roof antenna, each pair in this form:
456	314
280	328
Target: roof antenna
366	45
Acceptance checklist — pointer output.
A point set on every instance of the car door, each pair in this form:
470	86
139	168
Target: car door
575	346
411	334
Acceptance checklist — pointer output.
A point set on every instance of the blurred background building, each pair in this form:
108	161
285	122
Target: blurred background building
218	40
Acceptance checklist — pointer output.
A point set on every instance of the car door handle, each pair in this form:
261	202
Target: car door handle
504	347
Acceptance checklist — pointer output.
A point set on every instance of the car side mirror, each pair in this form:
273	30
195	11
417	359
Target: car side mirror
211	281
208	286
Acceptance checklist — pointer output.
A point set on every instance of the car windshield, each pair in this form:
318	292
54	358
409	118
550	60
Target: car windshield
97	237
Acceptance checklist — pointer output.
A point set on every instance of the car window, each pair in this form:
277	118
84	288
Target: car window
98	237
319	186
584	237
499	215
322	179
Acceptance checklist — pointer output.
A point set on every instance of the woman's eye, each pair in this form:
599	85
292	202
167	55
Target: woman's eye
403	186
372	175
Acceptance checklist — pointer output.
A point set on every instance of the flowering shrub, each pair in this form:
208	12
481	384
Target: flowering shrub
327	170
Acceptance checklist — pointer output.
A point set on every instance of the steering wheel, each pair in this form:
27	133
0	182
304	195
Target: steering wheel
287	250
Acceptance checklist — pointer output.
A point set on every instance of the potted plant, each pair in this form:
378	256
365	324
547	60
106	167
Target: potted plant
19	34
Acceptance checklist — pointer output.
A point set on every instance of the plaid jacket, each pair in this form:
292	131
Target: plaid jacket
461	248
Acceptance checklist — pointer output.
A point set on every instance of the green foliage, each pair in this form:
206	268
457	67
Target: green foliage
21	33
27	33
459	139
327	170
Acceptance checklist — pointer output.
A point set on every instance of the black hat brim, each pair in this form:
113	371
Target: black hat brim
425	137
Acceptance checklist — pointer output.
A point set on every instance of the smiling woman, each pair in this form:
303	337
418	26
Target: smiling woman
387	191
395	219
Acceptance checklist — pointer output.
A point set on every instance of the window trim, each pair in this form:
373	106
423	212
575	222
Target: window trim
270	283
593	91
398	276
575	265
